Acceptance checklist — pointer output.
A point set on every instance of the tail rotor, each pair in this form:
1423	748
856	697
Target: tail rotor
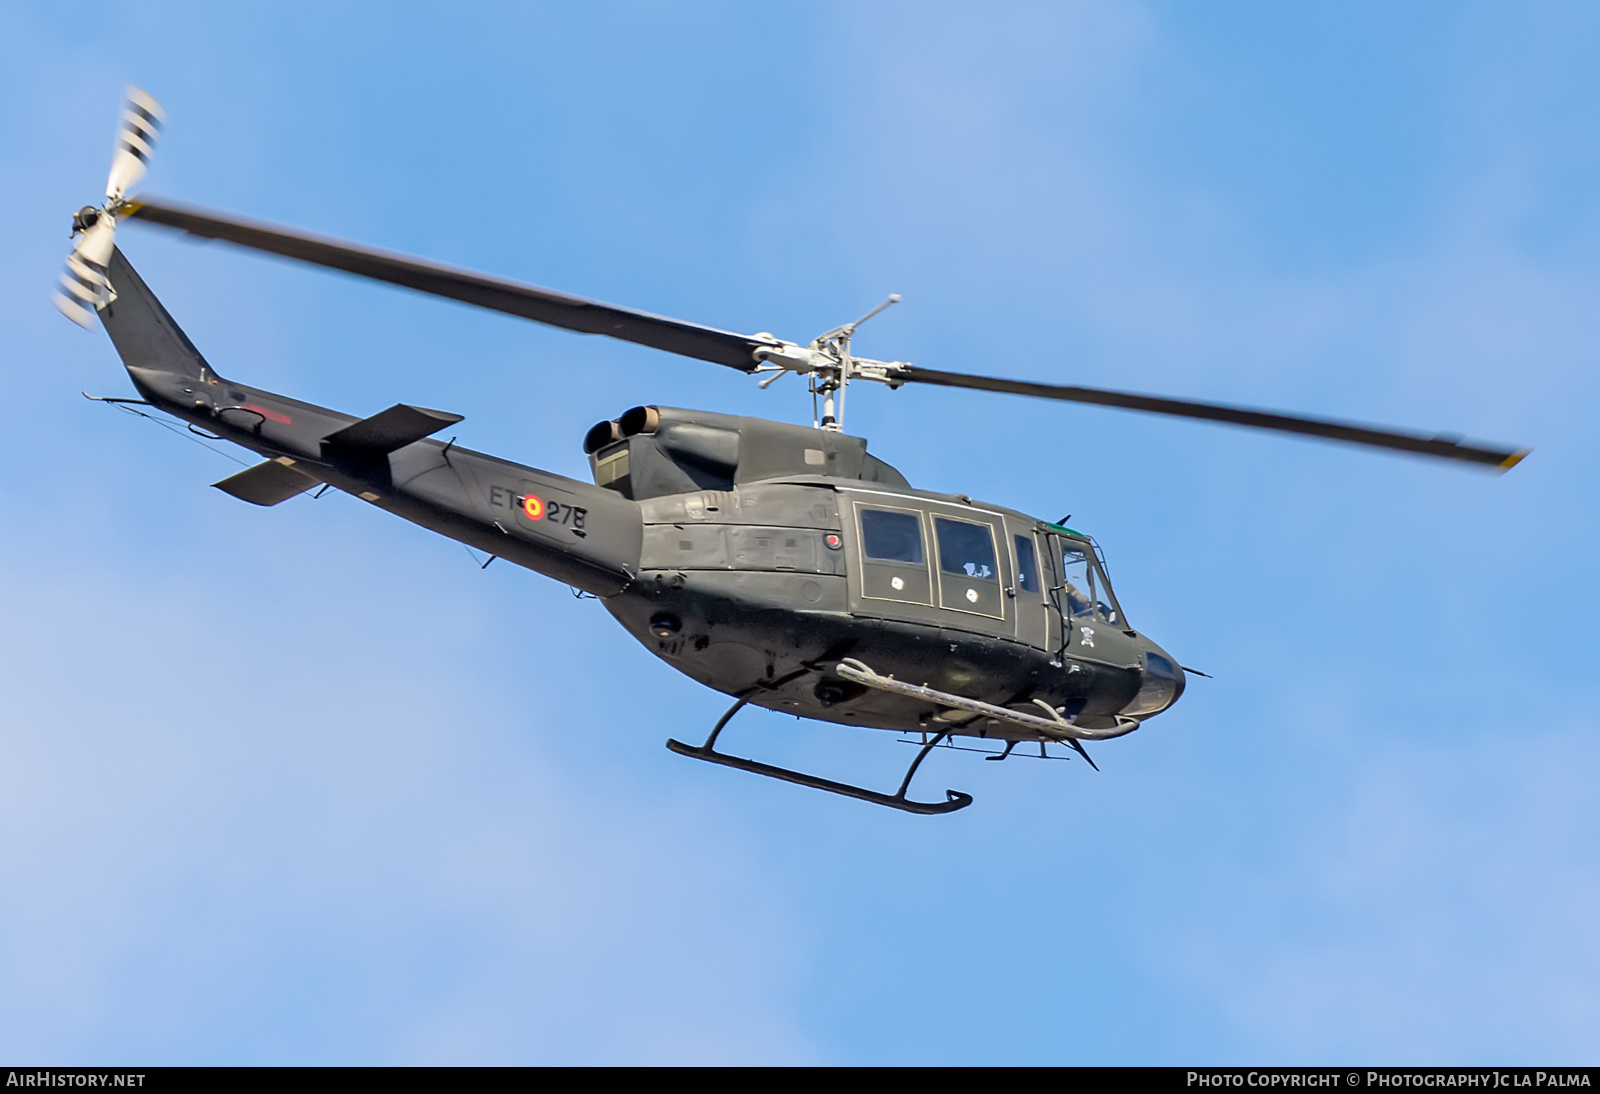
85	288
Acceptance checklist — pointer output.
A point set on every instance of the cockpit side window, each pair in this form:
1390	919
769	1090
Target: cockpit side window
892	535
966	548
1086	591
1078	580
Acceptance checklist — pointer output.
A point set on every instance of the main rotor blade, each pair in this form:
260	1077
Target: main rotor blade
738	350
530	302
1442	446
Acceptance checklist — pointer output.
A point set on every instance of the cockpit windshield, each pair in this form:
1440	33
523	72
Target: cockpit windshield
1086	592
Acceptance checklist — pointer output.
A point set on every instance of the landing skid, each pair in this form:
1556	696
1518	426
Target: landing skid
898	800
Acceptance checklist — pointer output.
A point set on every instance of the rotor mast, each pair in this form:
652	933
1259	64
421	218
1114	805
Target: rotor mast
829	367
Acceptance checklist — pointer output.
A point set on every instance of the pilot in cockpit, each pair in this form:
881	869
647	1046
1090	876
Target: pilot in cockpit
1077	601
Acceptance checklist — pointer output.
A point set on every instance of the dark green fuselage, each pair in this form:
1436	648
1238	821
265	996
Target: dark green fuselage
747	554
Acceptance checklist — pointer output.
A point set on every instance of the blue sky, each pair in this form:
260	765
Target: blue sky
303	785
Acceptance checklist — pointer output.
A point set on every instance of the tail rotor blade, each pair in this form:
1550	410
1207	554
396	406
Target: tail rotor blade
142	119
85	286
72	309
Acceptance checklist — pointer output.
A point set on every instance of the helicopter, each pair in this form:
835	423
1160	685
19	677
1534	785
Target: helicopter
783	565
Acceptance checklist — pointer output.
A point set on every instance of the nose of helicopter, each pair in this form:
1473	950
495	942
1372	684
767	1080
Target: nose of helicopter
1162	681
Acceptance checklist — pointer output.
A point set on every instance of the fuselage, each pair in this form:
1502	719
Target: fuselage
752	556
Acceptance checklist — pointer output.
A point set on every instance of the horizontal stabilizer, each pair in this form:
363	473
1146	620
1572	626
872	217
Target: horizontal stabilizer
268	483
387	430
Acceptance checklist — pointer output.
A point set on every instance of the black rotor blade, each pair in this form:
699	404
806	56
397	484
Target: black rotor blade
541	305
737	350
1445	447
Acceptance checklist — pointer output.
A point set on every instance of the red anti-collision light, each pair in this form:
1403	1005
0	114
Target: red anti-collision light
833	541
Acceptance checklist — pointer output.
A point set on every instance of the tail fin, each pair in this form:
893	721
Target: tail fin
146	337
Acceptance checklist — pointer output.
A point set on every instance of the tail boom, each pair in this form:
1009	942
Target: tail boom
575	532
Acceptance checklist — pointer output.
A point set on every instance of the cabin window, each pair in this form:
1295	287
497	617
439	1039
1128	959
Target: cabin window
891	535
966	549
1027	568
894	563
